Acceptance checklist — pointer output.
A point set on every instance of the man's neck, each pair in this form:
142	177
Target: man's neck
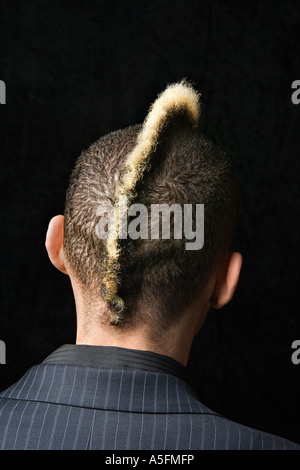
172	344
175	342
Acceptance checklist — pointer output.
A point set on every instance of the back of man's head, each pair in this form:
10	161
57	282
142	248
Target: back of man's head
164	161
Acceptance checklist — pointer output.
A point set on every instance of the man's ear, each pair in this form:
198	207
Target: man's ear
227	279
54	242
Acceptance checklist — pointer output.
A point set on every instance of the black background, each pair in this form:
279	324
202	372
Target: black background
75	70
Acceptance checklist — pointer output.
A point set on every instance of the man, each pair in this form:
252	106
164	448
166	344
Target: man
142	291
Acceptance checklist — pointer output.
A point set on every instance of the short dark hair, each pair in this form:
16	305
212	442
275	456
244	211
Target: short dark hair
156	278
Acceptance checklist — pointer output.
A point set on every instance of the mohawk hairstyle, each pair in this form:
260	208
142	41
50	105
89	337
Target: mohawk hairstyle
165	160
175	99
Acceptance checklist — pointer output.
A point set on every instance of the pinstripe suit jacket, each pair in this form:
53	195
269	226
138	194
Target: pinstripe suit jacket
68	406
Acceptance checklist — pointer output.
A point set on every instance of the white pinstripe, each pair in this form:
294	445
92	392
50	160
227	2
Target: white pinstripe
65	432
105	406
41	431
141	433
73	385
54	426
20	422
162	400
8	424
119	398
31	424
78	429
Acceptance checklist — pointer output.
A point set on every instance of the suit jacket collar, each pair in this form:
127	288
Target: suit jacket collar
111	357
106	389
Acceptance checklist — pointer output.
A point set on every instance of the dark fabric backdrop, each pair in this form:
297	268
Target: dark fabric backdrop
75	70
